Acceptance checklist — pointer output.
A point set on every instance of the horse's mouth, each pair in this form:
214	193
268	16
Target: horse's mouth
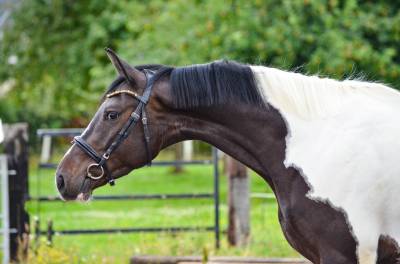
85	192
84	197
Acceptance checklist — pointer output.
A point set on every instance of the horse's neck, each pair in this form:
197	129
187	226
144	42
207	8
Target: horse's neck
253	136
257	137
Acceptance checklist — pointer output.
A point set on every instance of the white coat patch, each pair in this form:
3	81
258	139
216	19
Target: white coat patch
345	138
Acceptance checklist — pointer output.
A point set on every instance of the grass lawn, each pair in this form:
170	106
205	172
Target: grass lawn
266	236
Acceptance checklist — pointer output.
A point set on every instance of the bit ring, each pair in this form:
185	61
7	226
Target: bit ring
90	175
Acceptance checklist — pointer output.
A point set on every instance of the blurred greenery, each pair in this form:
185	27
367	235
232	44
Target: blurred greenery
61	68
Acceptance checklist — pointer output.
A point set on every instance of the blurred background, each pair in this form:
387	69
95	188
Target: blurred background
53	71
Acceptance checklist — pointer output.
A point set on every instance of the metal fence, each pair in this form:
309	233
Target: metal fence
47	134
5	209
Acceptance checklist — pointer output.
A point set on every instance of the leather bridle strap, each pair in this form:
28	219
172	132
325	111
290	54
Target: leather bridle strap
146	133
87	149
136	115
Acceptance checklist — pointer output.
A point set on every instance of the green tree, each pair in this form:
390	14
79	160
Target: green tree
62	69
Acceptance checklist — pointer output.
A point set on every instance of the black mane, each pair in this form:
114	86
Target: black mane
219	82
203	85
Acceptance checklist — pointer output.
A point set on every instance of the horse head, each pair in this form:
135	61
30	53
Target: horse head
127	131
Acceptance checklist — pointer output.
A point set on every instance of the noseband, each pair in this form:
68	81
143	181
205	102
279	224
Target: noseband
98	169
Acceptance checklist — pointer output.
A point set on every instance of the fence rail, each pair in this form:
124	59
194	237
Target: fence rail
48	134
130	230
131	197
64	132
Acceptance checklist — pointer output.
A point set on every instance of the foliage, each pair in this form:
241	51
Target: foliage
45	254
62	69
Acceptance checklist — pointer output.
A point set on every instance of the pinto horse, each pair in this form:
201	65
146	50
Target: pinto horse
327	148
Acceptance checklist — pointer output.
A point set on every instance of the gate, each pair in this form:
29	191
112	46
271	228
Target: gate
13	186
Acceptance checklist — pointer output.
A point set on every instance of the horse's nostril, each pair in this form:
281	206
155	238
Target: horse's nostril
60	182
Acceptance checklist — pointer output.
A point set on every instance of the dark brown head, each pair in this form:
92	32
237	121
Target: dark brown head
112	115
193	102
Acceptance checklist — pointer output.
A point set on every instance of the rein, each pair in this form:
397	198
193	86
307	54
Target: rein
98	169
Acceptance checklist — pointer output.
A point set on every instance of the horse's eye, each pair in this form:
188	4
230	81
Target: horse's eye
112	115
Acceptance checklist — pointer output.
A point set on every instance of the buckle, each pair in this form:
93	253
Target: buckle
135	116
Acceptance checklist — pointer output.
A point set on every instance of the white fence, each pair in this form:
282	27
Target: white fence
1	132
5	220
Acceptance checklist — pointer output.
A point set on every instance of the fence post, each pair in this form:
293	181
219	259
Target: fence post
216	197
178	157
5	208
1	132
238	203
16	149
50	233
187	150
46	149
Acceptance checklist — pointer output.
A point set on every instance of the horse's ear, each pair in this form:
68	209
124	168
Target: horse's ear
123	68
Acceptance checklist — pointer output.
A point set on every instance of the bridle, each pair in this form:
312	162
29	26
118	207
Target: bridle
138	114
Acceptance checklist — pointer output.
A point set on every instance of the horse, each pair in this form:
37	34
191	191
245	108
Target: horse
327	148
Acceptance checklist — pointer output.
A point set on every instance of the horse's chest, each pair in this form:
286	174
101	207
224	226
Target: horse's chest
352	168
